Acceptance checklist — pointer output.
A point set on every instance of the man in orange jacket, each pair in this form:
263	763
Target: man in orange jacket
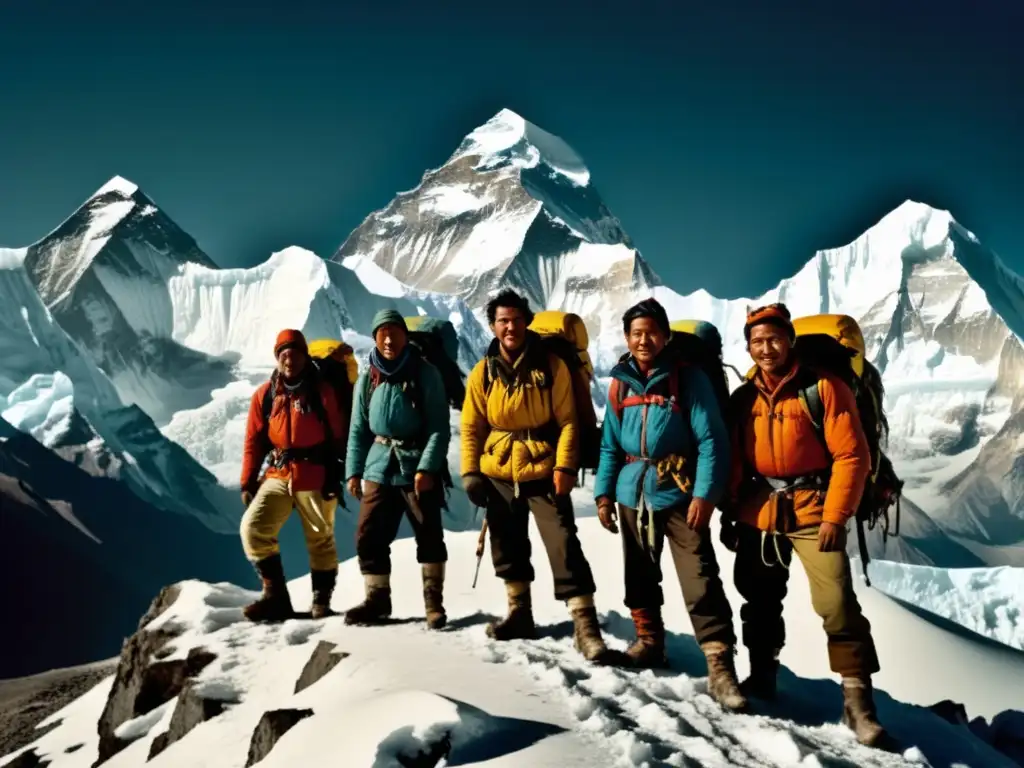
790	494
305	436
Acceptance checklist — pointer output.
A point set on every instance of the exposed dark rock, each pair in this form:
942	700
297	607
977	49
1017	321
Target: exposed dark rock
323	659
429	758
1005	733
73	748
190	711
951	711
271	727
28	759
167	597
141	686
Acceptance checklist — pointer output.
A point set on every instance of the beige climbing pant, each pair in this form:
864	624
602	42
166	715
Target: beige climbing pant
269	511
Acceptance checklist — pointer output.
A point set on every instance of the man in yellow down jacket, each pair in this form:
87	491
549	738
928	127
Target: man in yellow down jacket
519	455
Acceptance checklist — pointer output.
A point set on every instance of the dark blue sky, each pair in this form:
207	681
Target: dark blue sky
730	142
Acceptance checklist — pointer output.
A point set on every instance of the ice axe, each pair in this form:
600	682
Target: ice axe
480	543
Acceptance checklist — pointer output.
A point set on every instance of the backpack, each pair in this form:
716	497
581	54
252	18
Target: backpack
696	342
834	343
334	362
437	343
564	335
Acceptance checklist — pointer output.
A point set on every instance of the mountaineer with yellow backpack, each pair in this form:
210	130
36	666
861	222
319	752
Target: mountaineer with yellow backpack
665	462
803	465
521	454
300	418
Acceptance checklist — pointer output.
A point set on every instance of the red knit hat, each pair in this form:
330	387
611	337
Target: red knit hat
773	314
289	338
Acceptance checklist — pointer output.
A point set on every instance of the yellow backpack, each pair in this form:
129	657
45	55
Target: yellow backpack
565	334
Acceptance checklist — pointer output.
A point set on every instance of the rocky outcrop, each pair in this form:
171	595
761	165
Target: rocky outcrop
28	759
323	659
1005	733
271	727
190	711
140	684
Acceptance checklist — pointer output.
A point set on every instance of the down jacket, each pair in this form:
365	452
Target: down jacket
522	428
773	437
292	424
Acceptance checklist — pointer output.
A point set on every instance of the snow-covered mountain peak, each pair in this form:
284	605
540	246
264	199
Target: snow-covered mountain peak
118	185
509	138
514	205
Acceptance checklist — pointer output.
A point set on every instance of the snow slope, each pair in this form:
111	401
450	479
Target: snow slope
401	688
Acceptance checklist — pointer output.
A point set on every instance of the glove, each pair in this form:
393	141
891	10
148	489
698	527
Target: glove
607	514
476	487
334	474
247	497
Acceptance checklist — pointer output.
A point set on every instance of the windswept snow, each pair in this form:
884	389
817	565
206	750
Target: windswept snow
988	601
402	690
507	129
117	184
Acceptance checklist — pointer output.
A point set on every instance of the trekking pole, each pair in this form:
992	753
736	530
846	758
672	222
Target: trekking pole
480	543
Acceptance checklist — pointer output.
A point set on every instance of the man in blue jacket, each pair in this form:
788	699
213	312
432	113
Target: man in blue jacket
397	451
665	460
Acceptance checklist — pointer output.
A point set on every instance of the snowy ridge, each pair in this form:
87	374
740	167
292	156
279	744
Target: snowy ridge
400	690
506	130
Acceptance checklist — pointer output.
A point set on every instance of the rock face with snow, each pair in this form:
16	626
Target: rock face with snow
513	206
103	273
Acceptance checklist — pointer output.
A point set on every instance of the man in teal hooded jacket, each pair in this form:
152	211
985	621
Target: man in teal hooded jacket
665	460
397	453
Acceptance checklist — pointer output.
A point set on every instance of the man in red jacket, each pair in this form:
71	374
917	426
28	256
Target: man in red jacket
305	437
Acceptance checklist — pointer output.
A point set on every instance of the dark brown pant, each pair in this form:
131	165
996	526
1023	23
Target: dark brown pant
696	568
380	515
761	580
508	520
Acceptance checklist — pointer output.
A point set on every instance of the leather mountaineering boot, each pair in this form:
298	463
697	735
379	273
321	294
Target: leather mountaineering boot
275	604
376	608
587	631
722	683
518	625
859	714
763	680
433	595
323	588
648	650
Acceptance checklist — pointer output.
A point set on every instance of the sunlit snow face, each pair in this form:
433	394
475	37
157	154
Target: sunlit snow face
391	340
509	328
291	362
770	347
645	340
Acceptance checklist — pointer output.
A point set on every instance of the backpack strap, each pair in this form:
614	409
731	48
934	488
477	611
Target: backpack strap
810	400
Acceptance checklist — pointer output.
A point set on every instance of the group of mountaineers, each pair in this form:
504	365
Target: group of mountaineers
789	458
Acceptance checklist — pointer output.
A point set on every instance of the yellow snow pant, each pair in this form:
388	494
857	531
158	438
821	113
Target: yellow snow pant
268	513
